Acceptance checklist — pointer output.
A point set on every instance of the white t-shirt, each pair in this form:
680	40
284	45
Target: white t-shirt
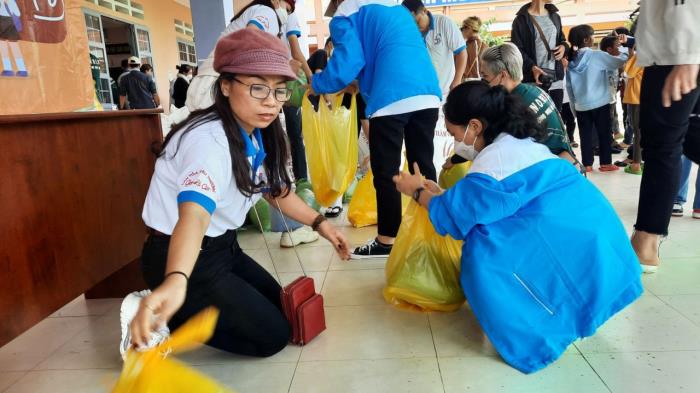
199	92
292	27
444	41
198	170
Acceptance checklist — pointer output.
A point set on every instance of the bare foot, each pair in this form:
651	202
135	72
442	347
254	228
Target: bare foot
646	246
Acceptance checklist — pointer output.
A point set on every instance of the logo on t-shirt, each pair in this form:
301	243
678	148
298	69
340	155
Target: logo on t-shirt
200	179
263	21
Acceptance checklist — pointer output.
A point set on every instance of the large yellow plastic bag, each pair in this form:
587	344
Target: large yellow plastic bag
155	371
422	271
450	177
362	210
330	138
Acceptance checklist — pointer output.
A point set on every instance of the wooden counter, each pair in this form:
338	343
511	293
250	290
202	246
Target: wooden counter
72	187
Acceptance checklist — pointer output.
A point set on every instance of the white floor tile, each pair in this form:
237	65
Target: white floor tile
96	346
371	332
356	264
647	325
251	376
485	374
649	372
211	356
35	345
81	307
675	277
688	305
379	376
66	381
314	259
354	288
8	378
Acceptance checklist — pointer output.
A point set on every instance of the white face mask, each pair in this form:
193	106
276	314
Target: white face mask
189	77
468	152
282	14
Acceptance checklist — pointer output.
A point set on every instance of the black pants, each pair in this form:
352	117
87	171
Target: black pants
595	121
663	134
558	97
385	140
251	321
292	120
567	116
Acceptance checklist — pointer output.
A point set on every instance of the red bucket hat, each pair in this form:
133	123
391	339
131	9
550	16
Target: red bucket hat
252	52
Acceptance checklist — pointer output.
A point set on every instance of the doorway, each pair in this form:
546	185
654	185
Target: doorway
112	42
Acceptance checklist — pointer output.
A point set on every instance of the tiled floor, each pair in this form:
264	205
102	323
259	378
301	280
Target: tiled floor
653	346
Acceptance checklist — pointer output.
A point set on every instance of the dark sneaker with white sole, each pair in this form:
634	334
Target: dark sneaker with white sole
677	210
373	249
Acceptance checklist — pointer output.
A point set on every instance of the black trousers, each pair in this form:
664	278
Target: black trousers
292	120
663	135
567	116
595	121
251	321
385	139
558	97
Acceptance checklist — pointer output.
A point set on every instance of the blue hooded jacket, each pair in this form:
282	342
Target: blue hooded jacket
587	77
545	259
378	43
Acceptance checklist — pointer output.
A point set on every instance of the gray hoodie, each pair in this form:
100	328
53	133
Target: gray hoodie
668	32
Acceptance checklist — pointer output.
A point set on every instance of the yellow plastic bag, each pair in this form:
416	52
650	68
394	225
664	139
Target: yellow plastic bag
362	210
422	271
330	137
155	371
449	177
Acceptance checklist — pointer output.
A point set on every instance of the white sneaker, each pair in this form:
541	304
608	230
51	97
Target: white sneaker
677	210
130	306
299	236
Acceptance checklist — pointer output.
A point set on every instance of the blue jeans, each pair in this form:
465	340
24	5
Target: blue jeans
685	179
277	225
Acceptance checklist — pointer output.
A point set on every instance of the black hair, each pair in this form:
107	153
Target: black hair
497	110
266	3
183	68
273	138
329	40
622	30
125	63
146	67
577	37
607	42
414	6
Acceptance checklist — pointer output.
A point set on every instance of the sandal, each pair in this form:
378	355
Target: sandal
633	171
621	164
608	168
333	211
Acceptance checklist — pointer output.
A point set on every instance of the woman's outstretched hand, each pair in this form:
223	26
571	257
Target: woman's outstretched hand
157	308
406	183
337	239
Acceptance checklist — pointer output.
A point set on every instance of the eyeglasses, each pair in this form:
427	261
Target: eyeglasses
261	92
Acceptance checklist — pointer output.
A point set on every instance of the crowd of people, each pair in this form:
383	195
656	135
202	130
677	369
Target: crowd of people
545	261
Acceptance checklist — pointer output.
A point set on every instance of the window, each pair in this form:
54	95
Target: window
184	28
187	53
126	7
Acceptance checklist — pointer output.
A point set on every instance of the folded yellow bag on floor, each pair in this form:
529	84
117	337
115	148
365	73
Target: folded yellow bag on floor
330	139
422	271
155	371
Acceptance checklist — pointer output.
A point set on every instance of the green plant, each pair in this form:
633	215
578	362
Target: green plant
487	37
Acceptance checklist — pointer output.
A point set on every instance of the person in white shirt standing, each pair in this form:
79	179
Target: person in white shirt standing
445	44
210	171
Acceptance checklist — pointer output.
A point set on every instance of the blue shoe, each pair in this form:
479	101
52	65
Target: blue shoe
22	73
7	73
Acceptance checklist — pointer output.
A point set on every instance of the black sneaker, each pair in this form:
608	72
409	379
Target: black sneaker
373	249
677	210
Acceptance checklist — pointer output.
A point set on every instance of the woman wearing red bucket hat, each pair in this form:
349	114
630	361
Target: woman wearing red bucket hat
211	169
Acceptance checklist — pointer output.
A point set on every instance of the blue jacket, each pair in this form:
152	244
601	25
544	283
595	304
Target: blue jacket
587	78
378	43
545	259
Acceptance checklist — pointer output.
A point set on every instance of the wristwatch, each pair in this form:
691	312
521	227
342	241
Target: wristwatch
416	193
